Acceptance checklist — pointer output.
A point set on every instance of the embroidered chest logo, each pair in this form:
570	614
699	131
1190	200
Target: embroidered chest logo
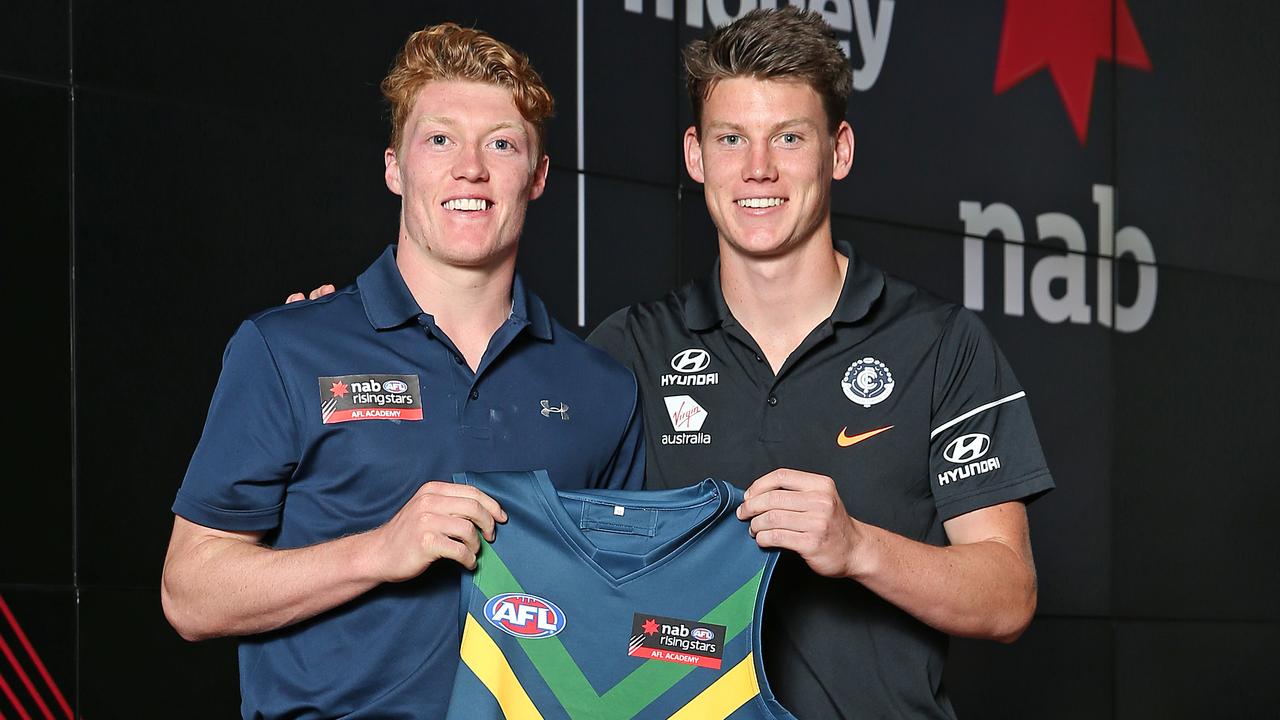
548	409
686	417
524	616
345	398
654	637
689	365
844	439
867	382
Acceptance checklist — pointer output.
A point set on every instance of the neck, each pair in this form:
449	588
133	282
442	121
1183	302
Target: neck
469	304
780	299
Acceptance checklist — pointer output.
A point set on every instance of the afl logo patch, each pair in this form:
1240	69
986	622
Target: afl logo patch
867	382
395	386
691	361
524	616
967	448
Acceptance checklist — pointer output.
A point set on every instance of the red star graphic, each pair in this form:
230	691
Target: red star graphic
339	389
650	626
1070	37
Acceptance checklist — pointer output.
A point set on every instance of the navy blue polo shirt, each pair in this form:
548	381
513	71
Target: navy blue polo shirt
330	414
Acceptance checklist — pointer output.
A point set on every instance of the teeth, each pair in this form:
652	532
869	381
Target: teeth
467	204
761	202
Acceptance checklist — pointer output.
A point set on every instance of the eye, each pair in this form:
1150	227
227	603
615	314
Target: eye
789	138
438	140
503	144
731	140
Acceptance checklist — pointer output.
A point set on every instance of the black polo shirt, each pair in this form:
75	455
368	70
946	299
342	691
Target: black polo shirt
901	397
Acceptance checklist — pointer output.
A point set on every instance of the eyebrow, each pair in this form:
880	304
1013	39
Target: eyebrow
789	122
448	121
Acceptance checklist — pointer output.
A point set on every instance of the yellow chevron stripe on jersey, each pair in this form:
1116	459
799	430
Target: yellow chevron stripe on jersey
481	654
725	695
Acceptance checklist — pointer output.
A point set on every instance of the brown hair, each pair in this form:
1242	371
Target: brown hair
785	44
450	52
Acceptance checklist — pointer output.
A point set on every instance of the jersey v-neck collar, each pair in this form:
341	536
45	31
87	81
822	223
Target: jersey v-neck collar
709	490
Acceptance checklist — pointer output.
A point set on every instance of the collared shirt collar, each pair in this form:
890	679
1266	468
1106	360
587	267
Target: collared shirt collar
388	302
705	306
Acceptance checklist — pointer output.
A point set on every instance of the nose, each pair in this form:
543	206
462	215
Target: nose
760	165
469	164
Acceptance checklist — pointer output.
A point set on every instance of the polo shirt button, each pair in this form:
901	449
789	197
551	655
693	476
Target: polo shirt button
457	359
759	358
773	400
475	394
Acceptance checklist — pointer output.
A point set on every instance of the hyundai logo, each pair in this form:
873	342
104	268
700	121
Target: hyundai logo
691	361
967	448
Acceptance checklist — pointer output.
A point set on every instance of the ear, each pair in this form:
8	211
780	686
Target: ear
539	184
392	171
693	154
843	151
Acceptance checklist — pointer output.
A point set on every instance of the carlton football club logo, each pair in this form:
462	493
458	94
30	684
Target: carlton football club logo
524	616
867	382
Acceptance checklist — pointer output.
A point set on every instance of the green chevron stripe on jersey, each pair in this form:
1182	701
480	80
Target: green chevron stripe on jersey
566	679
664	555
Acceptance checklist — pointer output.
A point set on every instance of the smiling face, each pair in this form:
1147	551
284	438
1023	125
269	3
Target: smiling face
467	167
766	158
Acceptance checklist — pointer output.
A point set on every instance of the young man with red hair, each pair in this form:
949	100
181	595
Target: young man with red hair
310	522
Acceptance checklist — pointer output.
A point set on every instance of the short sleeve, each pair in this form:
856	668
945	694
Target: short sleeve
248	450
983	448
626	467
611	337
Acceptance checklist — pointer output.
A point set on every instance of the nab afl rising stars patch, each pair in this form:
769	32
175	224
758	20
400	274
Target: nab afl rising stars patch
654	637
344	398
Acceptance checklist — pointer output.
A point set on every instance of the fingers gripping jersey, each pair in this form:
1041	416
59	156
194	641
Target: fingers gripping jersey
613	604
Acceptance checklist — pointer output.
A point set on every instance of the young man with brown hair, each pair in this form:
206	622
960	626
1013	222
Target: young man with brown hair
308	522
882	437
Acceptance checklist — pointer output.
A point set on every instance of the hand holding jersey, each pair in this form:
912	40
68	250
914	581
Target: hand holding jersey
442	521
802	512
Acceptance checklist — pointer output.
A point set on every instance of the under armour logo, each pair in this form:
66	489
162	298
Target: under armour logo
562	409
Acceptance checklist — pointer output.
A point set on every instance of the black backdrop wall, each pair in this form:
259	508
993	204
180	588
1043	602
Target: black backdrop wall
1100	179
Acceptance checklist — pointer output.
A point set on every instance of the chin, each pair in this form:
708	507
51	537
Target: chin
477	256
759	246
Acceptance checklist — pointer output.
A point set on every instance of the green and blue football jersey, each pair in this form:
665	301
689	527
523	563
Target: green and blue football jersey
607	604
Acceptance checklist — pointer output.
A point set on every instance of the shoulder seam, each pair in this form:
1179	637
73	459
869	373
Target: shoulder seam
284	387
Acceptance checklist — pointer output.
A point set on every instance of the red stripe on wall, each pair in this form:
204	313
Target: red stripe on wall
26	681
13	699
35	658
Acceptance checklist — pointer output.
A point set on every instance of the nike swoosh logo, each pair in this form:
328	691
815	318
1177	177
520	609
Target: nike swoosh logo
845	440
